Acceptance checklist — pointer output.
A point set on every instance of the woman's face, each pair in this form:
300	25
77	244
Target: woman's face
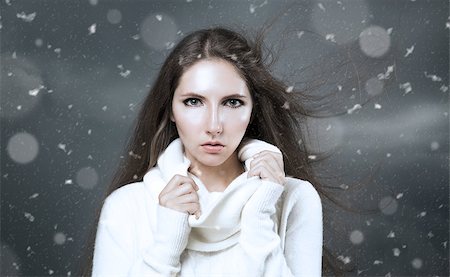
211	108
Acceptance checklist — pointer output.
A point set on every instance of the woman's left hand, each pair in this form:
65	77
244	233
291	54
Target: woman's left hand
268	166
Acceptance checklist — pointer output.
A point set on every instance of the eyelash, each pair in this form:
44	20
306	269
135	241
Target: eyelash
240	102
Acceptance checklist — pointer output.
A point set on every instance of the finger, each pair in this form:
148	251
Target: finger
168	196
187	198
190	208
183	189
264	162
265	174
177	180
269	155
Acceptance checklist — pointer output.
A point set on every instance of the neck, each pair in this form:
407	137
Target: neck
217	178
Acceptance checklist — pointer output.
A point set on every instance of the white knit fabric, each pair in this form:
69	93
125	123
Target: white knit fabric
253	228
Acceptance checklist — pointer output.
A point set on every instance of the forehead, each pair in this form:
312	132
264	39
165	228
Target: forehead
212	77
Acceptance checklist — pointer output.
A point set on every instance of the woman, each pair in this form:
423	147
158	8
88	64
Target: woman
204	190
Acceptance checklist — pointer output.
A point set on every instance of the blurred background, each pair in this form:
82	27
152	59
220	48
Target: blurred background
73	74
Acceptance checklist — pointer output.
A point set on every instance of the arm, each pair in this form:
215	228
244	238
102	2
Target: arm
117	251
304	233
261	243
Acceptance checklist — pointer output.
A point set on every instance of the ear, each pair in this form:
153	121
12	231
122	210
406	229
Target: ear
172	118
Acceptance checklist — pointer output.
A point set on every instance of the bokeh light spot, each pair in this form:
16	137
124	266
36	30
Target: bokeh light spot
22	148
114	16
388	205
434	146
356	237
87	177
374	41
159	31
374	86
59	238
417	263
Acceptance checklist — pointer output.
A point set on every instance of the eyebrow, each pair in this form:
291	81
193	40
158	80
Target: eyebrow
193	94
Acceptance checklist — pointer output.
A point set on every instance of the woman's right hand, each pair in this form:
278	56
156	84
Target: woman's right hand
180	194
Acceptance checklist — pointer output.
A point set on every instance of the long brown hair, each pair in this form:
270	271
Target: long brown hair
278	114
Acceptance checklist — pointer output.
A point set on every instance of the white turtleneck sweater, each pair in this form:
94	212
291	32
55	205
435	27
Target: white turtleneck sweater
253	228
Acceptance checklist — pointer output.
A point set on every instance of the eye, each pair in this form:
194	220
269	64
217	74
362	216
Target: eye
192	102
234	103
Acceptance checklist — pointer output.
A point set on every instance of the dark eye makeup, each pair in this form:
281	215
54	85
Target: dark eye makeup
232	102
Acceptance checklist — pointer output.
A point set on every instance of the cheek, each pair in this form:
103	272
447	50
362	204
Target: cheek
239	119
187	119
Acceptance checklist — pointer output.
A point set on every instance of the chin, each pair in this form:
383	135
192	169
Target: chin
212	161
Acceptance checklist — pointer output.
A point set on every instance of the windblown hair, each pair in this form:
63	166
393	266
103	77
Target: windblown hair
278	113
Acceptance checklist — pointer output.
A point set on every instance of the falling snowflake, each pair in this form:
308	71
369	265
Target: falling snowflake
330	37
158	17
33	196
433	77
27	18
406	87
29	216
387	74
320	5
343	259
170	45
253	7
289	89
62	146
396	252
233	57
409	51
132	154
355	108
377	106
92	29
391	235
125	73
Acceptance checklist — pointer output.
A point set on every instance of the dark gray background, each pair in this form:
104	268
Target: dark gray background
69	96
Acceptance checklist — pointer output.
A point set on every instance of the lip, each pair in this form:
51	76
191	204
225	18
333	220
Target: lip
212	147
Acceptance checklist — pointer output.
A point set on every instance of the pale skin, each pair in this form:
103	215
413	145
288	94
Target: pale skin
212	104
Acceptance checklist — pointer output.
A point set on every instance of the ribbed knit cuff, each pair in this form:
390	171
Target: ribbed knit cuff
264	199
172	233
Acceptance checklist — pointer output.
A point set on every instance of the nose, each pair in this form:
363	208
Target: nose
214	125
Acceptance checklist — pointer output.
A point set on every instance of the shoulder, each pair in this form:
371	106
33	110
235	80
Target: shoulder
301	195
125	197
301	189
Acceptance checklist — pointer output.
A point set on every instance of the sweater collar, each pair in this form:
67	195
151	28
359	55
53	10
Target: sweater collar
173	160
219	225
